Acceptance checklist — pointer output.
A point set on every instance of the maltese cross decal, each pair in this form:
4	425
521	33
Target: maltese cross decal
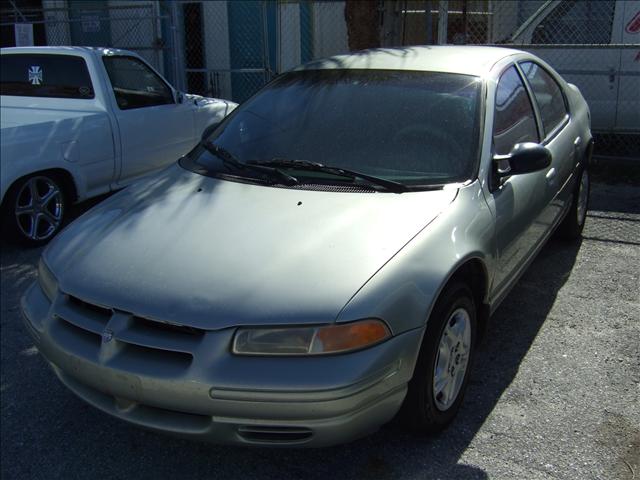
35	75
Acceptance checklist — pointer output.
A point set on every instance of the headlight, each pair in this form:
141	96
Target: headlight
318	340
46	280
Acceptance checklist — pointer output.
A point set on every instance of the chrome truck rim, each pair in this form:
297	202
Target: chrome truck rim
452	359
39	208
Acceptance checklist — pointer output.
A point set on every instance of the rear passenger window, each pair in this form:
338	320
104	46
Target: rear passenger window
548	96
38	75
514	120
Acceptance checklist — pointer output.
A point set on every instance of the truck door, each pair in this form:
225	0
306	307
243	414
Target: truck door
579	40
154	130
628	113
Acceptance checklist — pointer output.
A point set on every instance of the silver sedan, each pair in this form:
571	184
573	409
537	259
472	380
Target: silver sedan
327	257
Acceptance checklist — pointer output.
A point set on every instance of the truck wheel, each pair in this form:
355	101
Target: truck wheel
442	370
573	224
34	209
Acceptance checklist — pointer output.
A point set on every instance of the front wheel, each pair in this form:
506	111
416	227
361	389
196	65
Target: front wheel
34	209
442	370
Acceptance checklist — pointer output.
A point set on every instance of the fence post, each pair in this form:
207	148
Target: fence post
443	18
278	37
178	48
265	43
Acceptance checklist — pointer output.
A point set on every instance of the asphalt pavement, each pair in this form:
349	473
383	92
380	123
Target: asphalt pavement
555	391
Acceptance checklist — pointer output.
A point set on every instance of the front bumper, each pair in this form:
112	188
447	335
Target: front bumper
187	382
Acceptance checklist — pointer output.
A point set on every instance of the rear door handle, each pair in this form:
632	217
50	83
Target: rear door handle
576	150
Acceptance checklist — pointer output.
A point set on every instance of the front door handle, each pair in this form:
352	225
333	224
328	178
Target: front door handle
551	174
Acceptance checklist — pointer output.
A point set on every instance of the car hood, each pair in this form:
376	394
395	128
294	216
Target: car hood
194	250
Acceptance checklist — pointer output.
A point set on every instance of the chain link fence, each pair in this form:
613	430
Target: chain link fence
227	46
233	48
135	26
230	49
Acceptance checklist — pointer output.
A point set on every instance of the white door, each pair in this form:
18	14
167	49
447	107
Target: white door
575	38
154	130
628	114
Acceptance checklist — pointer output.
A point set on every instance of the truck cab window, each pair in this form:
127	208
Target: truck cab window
135	85
42	75
576	22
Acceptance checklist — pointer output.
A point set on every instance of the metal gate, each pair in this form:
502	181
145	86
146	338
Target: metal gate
229	47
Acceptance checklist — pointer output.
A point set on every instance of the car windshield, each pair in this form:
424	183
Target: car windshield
416	128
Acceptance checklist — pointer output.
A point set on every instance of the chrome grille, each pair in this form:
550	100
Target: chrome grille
119	338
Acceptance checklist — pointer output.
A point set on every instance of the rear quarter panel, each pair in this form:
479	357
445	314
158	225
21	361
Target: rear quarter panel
36	139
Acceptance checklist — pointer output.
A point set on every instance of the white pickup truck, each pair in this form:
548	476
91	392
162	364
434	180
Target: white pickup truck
77	122
594	44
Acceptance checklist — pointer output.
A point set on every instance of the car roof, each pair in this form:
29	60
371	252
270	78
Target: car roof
468	59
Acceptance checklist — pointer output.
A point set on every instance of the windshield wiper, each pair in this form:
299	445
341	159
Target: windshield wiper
228	158
390	185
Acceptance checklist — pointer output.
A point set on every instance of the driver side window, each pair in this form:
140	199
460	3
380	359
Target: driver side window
135	85
514	120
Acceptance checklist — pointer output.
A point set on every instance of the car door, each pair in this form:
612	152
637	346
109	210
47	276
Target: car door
560	136
519	200
154	129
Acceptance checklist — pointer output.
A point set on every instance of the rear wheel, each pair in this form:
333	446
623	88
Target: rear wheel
573	224
442	370
34	209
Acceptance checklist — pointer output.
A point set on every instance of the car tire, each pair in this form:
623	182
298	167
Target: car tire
34	209
442	370
573	223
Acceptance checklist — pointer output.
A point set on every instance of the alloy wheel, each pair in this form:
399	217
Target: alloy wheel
39	208
452	359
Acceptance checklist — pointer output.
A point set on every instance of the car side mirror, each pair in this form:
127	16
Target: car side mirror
524	158
209	130
179	96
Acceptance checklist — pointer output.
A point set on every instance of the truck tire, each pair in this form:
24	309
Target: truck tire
34	209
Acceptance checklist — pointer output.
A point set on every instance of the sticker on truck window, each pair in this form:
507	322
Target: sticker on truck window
634	25
35	75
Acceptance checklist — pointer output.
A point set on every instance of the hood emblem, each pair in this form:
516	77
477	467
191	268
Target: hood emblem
107	336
